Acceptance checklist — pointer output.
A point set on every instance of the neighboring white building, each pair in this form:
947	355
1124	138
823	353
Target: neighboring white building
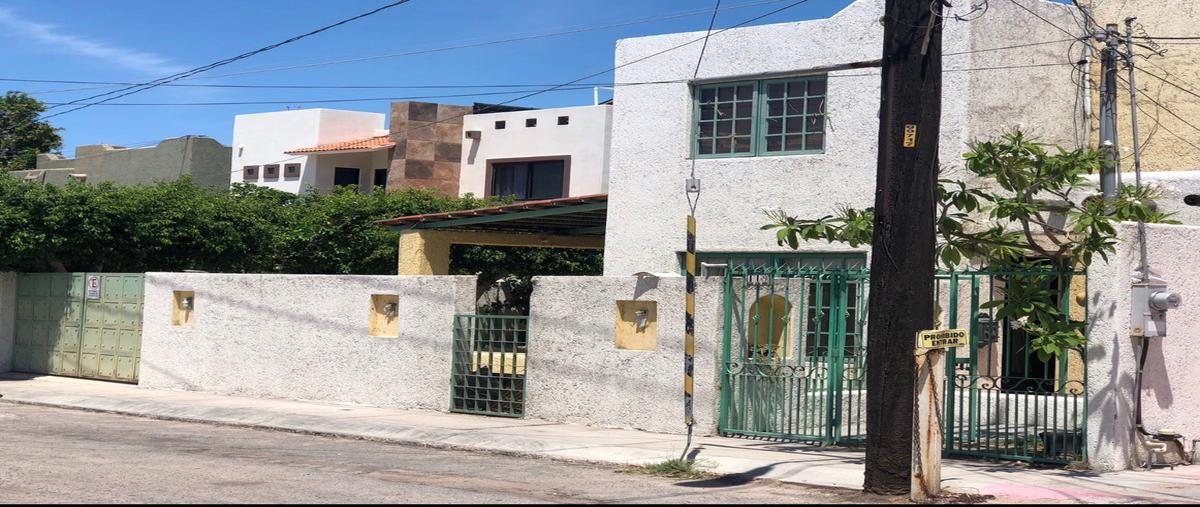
295	150
822	157
538	153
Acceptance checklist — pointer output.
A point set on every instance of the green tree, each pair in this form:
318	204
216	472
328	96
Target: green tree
22	135
1011	224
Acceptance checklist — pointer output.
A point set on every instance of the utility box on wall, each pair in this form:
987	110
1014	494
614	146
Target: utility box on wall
384	318
1148	308
637	325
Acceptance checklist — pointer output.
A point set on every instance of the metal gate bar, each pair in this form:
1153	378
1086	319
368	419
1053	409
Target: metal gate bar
488	364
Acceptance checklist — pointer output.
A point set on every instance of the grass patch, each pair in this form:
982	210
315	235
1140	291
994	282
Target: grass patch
673	469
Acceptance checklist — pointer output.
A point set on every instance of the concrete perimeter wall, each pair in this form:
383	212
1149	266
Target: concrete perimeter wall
576	373
8	306
304	337
1171	385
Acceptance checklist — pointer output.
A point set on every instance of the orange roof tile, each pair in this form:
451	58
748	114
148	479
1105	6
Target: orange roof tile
370	143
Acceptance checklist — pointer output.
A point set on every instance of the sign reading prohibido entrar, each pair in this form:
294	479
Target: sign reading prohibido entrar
942	338
93	286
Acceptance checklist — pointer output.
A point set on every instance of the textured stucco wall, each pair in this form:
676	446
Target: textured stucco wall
1171	387
577	375
204	159
8	295
652	125
583	141
304	337
1180	64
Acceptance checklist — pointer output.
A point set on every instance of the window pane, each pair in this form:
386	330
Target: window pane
774	108
774	125
706	112
774	143
705	147
745	92
741	144
724	128
795	124
744	109
795	89
706	129
725	110
775	90
815	142
794	143
795	106
708	94
503	176
724	145
814	124
741	127
725	93
816	105
816	86
546	179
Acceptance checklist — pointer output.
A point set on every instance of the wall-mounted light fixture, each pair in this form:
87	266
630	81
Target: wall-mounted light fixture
640	318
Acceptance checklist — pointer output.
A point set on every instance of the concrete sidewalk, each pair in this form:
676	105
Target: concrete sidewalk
754	459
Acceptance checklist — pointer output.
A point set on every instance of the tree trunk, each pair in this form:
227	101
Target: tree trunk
902	254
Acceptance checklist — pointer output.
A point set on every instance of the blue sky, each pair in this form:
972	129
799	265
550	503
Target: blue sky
132	40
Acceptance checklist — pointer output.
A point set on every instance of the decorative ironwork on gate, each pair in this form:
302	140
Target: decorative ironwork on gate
489	365
794	359
794	353
1002	401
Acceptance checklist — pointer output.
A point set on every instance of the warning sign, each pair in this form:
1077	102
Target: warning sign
942	338
93	286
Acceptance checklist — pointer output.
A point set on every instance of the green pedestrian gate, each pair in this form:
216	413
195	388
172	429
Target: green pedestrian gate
85	325
794	359
794	349
488	365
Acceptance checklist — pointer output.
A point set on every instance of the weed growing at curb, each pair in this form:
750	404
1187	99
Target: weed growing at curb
674	469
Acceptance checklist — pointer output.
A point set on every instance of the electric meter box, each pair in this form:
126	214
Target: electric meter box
1148	308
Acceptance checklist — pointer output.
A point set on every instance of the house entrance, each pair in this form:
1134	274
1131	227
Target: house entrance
794	347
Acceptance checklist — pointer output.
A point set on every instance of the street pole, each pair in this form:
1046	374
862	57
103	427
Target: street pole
902	253
1108	113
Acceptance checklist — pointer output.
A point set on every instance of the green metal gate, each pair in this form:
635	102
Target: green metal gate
794	348
1002	401
68	326
488	364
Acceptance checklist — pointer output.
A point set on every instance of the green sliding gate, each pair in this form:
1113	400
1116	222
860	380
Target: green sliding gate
795	351
488	364
79	324
794	359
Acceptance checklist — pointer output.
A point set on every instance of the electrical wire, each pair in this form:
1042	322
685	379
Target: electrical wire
1169	82
174	77
999	48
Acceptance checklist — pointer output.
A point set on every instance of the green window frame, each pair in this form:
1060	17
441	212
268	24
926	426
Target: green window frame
769	117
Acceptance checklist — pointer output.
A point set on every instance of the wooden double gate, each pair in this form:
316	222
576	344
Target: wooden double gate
85	325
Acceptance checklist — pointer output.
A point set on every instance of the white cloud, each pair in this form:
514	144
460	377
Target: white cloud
60	40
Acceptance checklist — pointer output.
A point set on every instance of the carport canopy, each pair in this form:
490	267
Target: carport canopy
568	222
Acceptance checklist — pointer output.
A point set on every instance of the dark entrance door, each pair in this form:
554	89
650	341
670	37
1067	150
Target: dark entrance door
345	176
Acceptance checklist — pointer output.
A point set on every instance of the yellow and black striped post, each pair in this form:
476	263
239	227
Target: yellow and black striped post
689	324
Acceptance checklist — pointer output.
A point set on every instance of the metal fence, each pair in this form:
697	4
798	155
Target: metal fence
489	365
1002	401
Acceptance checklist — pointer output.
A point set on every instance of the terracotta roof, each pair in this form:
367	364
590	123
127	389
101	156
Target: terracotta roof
370	143
584	214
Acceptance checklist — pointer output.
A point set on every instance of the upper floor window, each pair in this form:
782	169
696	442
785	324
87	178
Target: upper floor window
759	118
541	179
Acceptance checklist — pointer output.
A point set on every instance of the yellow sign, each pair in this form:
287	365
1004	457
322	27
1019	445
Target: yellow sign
910	136
942	338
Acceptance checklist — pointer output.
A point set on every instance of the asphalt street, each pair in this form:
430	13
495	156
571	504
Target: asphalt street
56	455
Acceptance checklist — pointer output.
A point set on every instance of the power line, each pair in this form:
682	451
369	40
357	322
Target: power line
1005	47
1039	16
570	87
174	77
1167	109
1167	81
481	44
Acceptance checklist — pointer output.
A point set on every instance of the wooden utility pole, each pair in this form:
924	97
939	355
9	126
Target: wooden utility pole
902	253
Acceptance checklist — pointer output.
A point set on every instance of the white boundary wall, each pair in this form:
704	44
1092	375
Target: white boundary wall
304	337
577	375
1171	388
